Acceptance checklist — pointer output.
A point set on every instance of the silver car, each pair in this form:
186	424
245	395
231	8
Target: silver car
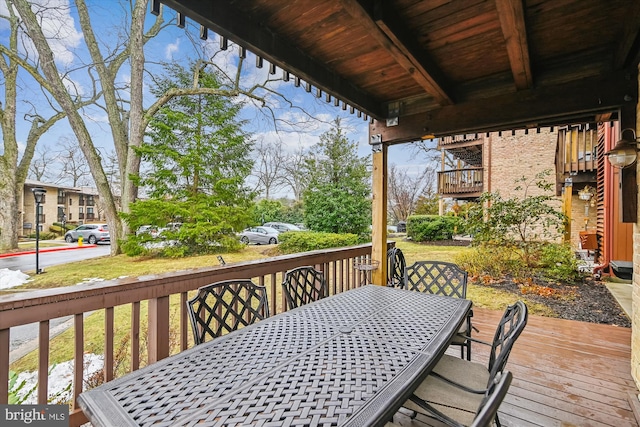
259	235
91	233
282	226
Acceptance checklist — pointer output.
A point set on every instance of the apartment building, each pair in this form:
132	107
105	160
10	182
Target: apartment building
73	205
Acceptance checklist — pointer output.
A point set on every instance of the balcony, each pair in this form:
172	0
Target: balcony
559	380
91	216
81	215
461	183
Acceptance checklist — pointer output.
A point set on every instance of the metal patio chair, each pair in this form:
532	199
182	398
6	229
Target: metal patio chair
396	268
443	278
486	412
456	386
303	285
226	306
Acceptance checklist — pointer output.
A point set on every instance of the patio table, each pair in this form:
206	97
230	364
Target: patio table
348	360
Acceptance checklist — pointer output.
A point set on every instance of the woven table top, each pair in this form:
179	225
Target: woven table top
348	360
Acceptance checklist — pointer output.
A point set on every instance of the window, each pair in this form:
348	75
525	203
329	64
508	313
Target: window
60	196
70	201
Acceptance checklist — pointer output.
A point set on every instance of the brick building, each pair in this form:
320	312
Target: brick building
74	205
477	163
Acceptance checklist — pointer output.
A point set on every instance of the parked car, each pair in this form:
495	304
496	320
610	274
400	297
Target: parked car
259	235
172	226
150	229
91	233
282	226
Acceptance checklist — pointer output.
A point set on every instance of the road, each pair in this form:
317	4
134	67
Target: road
27	262
24	338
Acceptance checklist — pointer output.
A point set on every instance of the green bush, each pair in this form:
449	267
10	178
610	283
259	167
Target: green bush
423	228
44	235
303	241
558	262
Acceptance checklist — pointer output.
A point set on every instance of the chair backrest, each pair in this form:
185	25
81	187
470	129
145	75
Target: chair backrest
509	329
396	268
492	400
303	285
226	306
437	277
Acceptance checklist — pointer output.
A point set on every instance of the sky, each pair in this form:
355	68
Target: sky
311	116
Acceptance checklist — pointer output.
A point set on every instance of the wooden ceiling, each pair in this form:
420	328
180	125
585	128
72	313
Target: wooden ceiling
446	66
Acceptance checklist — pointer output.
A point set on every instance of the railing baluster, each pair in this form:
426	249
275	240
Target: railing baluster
4	366
43	362
135	335
184	342
78	357
108	343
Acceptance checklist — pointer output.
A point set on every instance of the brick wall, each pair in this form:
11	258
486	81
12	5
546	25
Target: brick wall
510	157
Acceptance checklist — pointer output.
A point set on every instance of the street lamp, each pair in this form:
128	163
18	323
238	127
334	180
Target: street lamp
38	194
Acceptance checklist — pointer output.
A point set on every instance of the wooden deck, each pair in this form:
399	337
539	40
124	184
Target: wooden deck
566	373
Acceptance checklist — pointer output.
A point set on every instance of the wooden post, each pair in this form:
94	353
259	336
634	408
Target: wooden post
566	209
158	329
379	216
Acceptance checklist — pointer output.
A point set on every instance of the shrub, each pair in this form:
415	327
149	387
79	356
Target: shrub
492	260
303	241
44	235
422	228
558	262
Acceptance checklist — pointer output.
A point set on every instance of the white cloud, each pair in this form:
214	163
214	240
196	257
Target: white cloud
58	27
171	49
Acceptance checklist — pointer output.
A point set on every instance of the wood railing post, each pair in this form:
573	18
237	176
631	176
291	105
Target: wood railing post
158	342
4	366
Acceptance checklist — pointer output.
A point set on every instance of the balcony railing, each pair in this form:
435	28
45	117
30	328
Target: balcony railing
91	216
155	292
461	182
80	215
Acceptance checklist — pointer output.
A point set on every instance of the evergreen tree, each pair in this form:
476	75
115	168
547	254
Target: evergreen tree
337	199
198	158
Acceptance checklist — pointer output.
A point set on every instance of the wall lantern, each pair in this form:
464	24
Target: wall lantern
625	152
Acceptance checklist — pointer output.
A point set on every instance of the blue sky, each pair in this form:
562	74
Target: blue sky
176	44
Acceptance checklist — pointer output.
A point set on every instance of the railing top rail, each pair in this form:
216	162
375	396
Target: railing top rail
33	306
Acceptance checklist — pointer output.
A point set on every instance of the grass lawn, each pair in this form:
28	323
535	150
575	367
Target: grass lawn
61	347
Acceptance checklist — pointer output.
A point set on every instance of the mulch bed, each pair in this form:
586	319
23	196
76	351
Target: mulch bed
587	301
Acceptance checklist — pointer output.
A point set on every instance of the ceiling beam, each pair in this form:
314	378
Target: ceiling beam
511	14
228	21
386	27
572	102
629	47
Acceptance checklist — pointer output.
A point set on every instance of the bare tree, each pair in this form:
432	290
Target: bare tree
73	167
404	191
13	169
42	164
269	167
124	106
294	176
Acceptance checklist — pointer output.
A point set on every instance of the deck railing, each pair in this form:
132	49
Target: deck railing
460	181
162	294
